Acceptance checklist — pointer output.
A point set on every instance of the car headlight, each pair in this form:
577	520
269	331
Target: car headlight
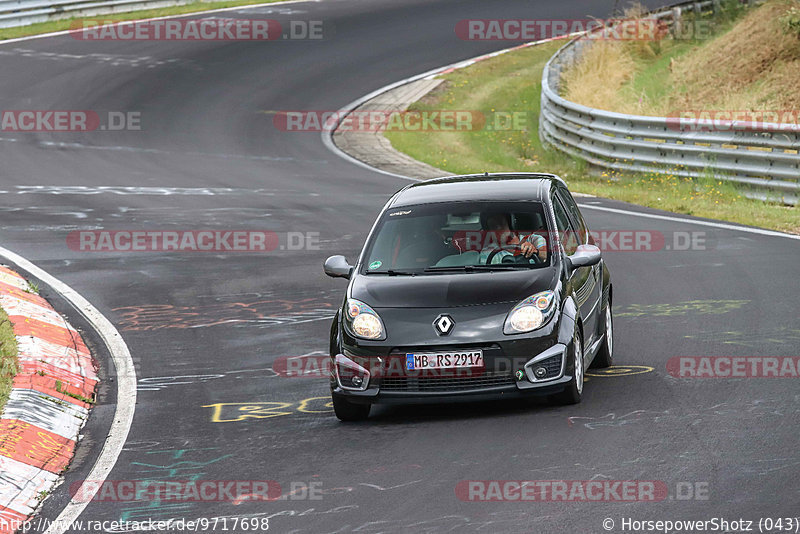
531	313
362	321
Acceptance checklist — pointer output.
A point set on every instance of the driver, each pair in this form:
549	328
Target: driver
500	225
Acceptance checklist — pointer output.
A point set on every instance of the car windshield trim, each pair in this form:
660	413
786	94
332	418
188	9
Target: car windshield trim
469	268
394	272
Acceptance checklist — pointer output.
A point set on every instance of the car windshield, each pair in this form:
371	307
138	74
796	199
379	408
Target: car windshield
459	237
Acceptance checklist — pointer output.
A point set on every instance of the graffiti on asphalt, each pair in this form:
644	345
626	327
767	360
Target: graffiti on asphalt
261	312
691	307
169	464
231	412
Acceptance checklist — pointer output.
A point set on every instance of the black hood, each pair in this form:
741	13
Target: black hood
448	290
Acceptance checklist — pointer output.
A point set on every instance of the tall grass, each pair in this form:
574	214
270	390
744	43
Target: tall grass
8	357
742	60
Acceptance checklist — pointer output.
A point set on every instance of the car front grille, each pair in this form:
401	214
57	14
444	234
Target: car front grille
440	383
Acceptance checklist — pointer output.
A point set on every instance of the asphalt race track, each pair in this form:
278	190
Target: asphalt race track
205	328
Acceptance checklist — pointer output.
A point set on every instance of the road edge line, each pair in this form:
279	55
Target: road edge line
699	222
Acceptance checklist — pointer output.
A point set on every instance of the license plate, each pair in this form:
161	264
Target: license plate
444	360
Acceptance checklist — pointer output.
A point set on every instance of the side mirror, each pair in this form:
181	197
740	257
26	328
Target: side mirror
585	256
337	267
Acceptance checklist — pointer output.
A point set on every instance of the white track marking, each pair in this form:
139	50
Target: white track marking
712	224
136	190
112	60
134	149
126	384
100	17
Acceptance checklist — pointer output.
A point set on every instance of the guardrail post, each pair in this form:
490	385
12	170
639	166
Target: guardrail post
677	22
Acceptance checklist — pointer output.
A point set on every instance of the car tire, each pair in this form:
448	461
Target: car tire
348	411
574	389
605	356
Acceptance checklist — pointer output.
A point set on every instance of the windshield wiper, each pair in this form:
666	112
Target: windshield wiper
472	268
392	272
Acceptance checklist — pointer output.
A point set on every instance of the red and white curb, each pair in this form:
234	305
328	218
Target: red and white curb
40	424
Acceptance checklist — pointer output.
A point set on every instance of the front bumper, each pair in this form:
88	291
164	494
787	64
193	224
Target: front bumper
518	368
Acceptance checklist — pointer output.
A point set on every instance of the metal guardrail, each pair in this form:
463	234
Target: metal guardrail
15	13
763	157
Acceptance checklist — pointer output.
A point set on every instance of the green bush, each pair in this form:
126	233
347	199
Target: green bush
791	22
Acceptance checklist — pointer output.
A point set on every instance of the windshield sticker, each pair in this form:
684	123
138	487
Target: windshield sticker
375	264
396	213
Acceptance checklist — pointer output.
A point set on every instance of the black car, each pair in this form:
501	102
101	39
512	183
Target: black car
470	288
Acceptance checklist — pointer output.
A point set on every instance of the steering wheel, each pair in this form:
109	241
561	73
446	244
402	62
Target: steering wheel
517	258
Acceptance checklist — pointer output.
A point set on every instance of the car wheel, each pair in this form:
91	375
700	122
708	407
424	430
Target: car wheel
572	393
605	356
348	411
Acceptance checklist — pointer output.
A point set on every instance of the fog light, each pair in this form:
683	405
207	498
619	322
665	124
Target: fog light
351	375
548	365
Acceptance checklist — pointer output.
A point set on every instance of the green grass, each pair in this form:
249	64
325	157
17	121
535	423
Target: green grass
8	358
651	81
60	386
61	25
507	83
742	59
512	82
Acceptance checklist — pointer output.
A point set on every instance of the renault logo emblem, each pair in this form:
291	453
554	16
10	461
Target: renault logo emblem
444	325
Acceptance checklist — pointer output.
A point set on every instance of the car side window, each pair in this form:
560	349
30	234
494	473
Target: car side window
574	213
566	232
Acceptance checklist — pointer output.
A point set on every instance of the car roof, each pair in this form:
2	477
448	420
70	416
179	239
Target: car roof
471	187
